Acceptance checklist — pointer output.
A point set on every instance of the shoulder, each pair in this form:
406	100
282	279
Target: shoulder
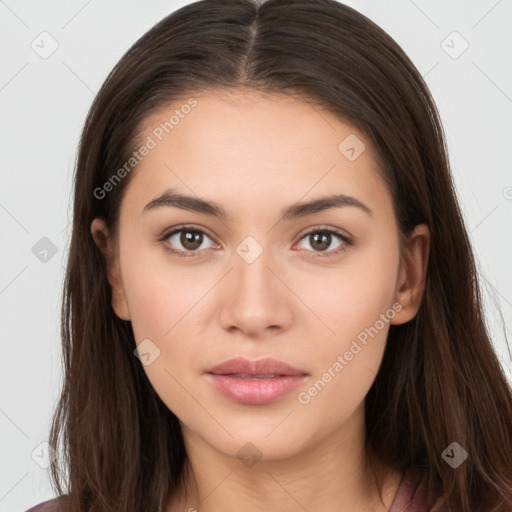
411	496
53	505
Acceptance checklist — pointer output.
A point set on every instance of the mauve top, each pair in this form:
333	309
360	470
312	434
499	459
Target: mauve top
410	497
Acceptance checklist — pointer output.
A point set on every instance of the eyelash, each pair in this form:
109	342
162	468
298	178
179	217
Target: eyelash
318	254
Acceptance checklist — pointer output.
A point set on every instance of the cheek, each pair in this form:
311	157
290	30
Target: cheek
346	362
164	300
162	310
355	306
351	298
159	289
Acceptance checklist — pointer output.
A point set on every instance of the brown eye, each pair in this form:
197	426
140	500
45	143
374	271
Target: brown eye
321	240
187	240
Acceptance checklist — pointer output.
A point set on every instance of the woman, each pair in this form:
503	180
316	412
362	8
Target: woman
271	301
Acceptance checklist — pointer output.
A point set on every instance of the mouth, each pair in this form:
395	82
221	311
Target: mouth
266	368
255	382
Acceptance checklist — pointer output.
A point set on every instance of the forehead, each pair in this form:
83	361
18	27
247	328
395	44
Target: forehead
247	118
245	144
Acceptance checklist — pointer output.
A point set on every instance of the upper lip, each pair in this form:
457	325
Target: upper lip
266	366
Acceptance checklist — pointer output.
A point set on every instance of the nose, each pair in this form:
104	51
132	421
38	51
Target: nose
257	299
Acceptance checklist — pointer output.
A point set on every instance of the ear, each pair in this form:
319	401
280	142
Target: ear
103	240
412	274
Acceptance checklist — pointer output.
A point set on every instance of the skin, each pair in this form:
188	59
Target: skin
254	155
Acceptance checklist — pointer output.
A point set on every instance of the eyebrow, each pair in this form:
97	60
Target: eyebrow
174	199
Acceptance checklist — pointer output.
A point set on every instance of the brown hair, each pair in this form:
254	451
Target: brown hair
440	380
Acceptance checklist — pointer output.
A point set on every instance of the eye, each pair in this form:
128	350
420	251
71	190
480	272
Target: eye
320	240
187	239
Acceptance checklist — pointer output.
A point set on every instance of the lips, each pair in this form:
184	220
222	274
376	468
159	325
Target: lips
260	368
255	382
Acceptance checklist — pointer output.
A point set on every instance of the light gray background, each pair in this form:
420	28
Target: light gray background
43	105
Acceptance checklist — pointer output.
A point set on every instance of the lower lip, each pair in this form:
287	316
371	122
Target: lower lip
255	391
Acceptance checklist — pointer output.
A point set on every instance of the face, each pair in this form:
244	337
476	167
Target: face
314	287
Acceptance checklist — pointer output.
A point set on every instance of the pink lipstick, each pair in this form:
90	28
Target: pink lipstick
255	382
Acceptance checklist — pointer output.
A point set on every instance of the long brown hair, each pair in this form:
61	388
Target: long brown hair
440	381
